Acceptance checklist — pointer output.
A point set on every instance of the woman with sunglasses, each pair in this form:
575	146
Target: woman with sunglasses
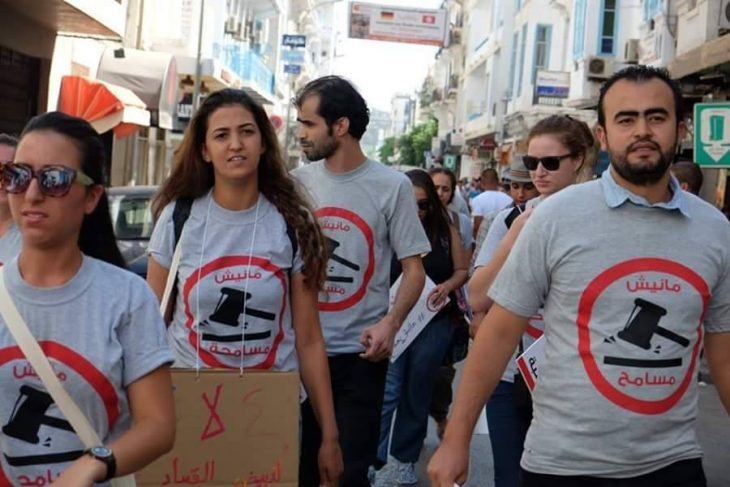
9	234
409	381
559	148
98	324
252	258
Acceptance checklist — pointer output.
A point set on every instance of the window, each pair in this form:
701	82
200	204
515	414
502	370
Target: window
512	64
652	8
608	27
579	29
523	41
542	49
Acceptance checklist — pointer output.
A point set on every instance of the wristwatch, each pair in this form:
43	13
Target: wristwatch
105	455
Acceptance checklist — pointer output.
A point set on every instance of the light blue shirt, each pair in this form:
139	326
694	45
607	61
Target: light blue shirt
617	195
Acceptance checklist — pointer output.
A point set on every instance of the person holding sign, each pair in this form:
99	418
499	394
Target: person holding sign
509	410
252	257
98	327
627	308
410	378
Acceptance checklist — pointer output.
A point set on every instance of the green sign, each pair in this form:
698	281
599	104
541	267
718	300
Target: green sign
712	134
450	161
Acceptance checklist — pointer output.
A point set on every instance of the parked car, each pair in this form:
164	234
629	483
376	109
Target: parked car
132	219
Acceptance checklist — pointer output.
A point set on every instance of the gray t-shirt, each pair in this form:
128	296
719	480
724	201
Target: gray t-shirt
10	244
226	294
497	231
366	214
101	331
626	288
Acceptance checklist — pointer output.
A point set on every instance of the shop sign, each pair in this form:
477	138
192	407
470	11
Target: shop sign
397	24
712	134
294	40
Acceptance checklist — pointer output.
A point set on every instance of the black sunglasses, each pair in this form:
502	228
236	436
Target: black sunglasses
551	163
422	205
54	181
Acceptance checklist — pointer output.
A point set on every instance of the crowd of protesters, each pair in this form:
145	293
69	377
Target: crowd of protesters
552	259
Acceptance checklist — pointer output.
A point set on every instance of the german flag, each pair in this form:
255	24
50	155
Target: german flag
385	15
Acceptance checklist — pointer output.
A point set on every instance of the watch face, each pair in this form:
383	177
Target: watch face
101	452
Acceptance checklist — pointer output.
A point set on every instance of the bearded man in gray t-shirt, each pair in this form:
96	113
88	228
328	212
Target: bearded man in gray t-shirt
367	212
634	274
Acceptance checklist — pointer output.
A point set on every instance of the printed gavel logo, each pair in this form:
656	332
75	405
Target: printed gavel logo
647	364
29	415
351	262
236	318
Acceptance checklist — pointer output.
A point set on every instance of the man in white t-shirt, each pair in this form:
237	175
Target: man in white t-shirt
490	200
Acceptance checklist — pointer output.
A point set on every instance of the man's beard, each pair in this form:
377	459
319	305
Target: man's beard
326	149
644	172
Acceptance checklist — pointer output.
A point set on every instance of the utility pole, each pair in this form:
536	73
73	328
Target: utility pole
198	68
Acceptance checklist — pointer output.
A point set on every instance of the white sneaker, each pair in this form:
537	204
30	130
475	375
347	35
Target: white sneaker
406	474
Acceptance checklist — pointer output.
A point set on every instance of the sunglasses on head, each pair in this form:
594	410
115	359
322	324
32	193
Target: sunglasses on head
551	163
54	181
422	205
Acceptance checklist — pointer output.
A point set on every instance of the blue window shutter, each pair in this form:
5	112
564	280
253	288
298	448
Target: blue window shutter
607	40
542	40
513	64
579	29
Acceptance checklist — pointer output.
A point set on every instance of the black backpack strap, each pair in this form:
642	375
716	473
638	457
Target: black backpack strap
180	215
516	211
292	234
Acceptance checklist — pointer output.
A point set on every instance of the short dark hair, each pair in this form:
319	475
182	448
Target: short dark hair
338	98
489	175
690	173
96	236
638	74
8	140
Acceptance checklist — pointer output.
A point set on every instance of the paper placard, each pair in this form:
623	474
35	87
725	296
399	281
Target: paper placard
529	362
232	430
421	314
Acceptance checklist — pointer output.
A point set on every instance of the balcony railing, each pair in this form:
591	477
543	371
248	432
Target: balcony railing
475	110
248	66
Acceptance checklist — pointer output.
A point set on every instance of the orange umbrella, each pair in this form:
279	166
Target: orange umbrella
103	105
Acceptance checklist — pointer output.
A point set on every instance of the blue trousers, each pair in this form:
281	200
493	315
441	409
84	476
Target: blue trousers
408	389
507	431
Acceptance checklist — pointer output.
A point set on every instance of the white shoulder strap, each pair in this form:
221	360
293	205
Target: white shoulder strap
38	360
171	278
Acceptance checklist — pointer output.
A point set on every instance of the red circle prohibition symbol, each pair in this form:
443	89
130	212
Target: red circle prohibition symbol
585	310
222	263
367	233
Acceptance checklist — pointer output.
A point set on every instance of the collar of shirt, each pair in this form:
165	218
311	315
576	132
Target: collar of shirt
617	195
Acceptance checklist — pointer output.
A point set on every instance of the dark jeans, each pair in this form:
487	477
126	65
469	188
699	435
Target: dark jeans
408	388
507	430
357	388
686	473
442	393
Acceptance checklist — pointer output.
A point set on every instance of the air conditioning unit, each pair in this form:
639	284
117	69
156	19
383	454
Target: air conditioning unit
231	25
631	51
598	68
724	17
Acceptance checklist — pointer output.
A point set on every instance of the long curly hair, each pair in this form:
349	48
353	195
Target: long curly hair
192	177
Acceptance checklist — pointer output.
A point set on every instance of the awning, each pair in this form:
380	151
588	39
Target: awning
152	76
709	54
103	105
103	18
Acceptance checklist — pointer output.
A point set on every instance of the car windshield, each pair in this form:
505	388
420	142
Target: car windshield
132	217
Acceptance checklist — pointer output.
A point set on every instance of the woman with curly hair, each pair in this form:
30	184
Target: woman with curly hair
252	258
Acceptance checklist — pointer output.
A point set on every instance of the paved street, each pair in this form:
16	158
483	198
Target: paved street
713	428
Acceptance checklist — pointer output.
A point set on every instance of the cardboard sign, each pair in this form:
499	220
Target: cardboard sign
529	362
421	314
232	430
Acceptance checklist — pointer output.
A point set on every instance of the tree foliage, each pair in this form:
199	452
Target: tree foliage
387	150
409	148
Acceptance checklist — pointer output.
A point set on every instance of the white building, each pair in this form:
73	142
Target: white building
402	114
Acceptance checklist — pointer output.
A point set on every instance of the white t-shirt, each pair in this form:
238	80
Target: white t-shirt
489	201
240	306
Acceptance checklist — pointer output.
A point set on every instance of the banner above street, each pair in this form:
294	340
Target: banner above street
397	24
